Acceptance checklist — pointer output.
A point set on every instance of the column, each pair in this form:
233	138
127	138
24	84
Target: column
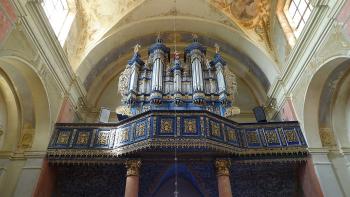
132	178
223	175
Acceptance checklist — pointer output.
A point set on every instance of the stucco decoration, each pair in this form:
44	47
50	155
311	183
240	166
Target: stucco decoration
327	137
250	14
27	136
231	83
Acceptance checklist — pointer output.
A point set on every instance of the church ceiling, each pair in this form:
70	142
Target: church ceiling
103	26
253	16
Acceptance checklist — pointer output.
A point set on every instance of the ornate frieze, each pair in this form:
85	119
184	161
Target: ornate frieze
185	130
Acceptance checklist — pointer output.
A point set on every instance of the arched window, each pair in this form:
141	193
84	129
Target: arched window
293	15
61	15
299	12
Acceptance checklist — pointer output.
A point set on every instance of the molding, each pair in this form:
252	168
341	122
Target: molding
34	21
316	32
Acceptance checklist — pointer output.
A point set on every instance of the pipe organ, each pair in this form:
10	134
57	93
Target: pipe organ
192	83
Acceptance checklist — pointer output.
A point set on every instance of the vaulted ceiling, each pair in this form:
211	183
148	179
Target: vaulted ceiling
103	33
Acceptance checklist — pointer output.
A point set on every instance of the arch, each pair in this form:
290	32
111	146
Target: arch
183	172
11	131
313	97
104	74
340	111
33	106
98	57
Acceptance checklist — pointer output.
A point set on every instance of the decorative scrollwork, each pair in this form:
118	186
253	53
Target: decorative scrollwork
166	126
222	167
123	84
133	167
190	126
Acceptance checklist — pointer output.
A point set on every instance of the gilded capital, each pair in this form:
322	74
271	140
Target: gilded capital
132	167
222	167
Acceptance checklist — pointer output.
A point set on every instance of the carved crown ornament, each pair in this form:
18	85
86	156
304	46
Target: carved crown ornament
249	14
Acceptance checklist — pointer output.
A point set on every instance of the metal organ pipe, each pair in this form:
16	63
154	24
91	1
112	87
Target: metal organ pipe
197	75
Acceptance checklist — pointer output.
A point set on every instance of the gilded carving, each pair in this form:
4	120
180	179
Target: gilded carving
215	129
125	110
252	137
83	137
140	129
133	167
271	137
123	135
166	126
123	85
231	83
102	138
231	135
63	137
222	167
291	135
190	126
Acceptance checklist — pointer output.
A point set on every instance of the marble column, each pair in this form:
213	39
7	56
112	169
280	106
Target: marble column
223	175
132	178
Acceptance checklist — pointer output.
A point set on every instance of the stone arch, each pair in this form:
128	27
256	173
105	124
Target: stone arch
313	105
33	107
11	119
98	53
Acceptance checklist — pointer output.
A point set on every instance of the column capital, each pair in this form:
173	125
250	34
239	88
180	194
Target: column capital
222	167
132	167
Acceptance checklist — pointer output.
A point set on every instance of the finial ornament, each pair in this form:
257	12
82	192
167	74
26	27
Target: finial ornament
137	48
217	48
133	167
195	37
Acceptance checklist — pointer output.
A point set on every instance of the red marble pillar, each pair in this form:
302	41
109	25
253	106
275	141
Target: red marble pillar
309	181
223	175
46	182
132	178
67	112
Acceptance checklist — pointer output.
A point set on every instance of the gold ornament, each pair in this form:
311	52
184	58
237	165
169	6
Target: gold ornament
133	167
222	167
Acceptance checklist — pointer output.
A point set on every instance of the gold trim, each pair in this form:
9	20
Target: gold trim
133	167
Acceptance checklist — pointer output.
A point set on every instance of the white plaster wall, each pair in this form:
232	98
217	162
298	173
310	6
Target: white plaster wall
327	178
28	178
3	119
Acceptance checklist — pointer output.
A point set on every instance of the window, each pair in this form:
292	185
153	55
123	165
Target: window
60	17
298	11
